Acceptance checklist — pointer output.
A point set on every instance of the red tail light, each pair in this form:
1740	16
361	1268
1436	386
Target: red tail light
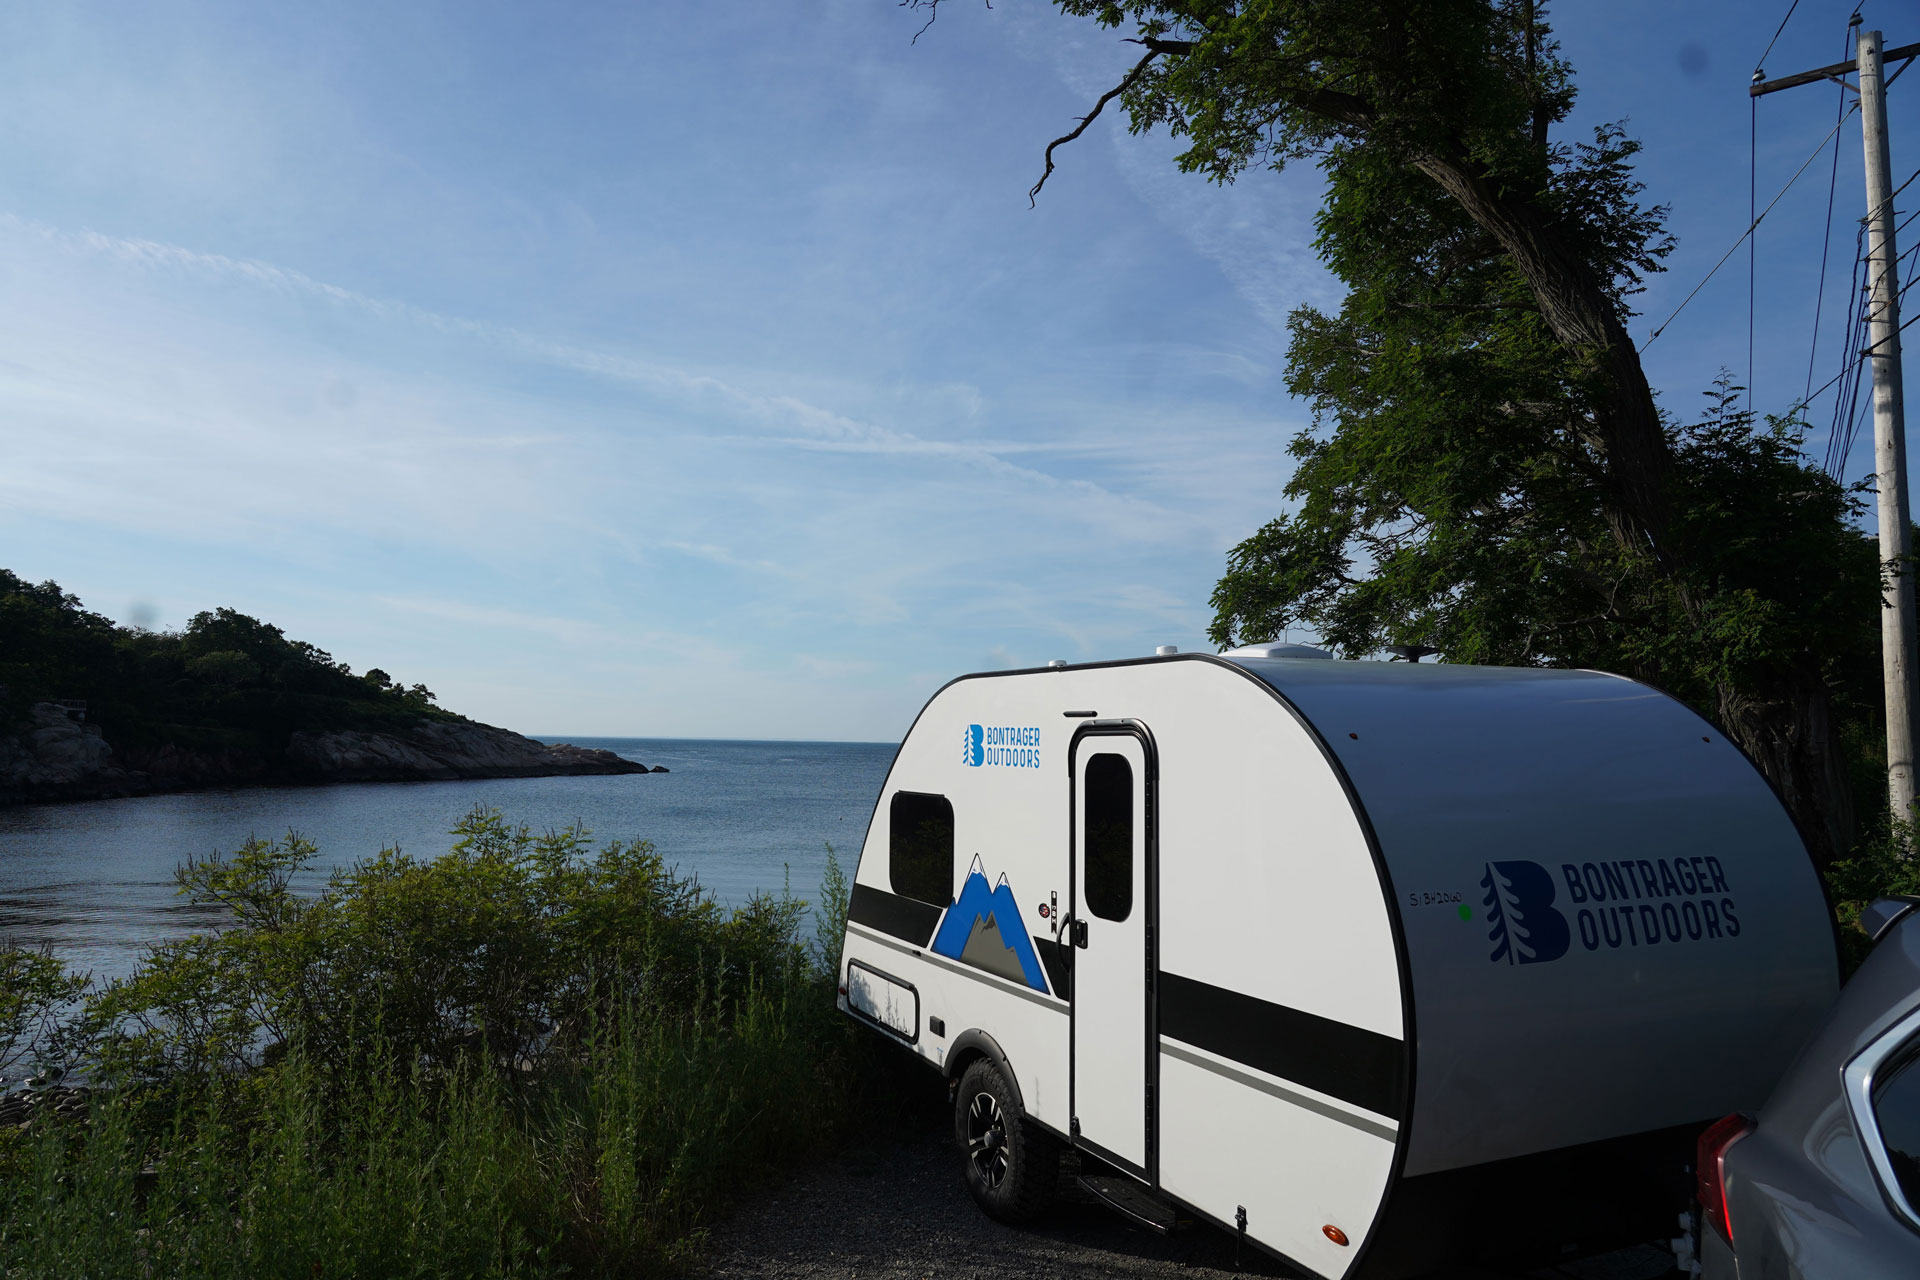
1710	1173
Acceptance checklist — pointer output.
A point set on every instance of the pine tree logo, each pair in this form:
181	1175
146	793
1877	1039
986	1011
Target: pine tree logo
973	746
1522	924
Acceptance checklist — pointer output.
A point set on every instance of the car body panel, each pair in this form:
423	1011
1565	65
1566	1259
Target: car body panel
1803	1199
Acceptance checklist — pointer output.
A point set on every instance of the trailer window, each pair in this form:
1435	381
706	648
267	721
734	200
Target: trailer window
920	847
1109	836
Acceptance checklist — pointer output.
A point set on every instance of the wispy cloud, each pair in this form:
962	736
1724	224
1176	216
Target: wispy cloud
819	428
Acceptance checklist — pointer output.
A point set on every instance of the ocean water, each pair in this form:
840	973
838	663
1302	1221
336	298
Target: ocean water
95	879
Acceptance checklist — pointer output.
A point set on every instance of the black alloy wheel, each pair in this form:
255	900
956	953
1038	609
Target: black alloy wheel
987	1140
1011	1164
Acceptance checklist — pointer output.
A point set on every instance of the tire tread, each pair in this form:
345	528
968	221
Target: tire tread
1033	1171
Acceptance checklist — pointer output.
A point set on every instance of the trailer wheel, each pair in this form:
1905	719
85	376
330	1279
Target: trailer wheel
1011	1165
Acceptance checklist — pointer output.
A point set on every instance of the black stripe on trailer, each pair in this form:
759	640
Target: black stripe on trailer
906	918
1055	959
1338	1059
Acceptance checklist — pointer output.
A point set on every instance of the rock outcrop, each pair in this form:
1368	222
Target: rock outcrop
435	750
59	757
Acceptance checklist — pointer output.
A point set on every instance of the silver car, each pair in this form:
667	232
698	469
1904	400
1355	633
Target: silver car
1824	1183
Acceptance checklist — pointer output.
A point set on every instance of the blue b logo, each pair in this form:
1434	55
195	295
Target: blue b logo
973	747
1524	927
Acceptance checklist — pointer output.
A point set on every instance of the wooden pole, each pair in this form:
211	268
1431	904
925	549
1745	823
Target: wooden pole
1897	629
1897	638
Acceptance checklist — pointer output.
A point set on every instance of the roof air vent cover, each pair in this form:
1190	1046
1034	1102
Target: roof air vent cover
1276	650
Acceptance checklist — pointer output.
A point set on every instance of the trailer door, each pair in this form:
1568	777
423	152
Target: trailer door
1112	933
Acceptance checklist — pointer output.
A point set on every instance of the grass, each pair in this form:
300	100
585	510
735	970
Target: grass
610	1169
596	1133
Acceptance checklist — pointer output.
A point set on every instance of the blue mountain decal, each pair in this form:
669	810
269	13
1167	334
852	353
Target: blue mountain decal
1525	928
983	928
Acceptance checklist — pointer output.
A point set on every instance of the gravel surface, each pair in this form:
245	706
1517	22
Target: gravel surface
900	1212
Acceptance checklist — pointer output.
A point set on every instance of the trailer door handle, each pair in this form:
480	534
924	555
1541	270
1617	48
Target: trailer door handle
1079	928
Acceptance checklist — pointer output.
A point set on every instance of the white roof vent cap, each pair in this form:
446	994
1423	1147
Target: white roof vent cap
1276	650
1161	651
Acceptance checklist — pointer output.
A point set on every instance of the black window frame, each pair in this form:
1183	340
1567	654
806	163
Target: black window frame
920	880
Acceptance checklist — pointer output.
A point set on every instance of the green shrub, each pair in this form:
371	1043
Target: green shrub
507	944
34	989
526	1057
1882	865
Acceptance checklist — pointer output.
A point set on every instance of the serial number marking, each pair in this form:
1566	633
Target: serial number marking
1442	899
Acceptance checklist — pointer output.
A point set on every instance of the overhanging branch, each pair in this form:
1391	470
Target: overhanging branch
1322	100
1139	69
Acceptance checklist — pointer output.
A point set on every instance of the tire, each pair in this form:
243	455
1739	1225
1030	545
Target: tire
1011	1165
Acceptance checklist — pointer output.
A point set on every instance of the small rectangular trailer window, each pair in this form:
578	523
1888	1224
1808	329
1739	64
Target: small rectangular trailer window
884	1000
1110	837
920	847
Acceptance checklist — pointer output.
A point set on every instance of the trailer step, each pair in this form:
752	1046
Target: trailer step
1126	1197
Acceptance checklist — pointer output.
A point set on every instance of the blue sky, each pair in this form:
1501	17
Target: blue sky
701	370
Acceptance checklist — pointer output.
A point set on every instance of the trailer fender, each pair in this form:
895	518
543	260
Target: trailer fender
975	1043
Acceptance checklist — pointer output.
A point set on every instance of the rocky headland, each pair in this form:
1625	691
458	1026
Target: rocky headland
58	756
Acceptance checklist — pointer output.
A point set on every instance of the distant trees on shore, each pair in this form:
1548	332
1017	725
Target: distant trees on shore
226	681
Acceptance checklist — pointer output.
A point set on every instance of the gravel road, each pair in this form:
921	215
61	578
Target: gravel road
899	1212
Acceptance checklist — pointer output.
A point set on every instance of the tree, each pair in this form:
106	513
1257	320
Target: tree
1488	471
228	682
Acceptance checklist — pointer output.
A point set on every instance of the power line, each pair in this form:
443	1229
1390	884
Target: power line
1851	415
1823	387
1826	237
1873	213
1776	35
1654	336
1906	261
1844	424
1902	329
1846	400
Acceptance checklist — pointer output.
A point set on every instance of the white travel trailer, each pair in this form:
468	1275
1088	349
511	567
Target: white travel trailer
1380	965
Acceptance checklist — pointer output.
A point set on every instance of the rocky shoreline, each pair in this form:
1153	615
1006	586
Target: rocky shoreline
59	757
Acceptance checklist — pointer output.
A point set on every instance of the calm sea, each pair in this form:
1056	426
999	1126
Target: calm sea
94	880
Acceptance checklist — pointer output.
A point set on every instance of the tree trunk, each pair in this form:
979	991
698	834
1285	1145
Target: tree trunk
1791	735
1582	316
1796	743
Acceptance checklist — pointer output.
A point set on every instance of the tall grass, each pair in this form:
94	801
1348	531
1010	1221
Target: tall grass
596	1136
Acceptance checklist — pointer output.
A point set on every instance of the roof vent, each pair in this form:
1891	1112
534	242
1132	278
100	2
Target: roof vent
1056	662
1276	650
1165	650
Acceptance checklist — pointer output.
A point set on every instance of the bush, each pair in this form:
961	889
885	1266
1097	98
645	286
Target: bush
1883	864
34	990
507	944
524	1057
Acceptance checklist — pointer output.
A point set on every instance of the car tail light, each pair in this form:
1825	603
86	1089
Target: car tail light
1710	1171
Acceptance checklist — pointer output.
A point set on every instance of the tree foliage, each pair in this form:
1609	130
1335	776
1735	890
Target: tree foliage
35	991
1487	470
225	681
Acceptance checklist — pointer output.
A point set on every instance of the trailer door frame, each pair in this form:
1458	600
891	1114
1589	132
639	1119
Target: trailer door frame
1113	1088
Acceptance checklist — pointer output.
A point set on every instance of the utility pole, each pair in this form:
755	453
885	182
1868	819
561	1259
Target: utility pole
1897	629
1889	432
